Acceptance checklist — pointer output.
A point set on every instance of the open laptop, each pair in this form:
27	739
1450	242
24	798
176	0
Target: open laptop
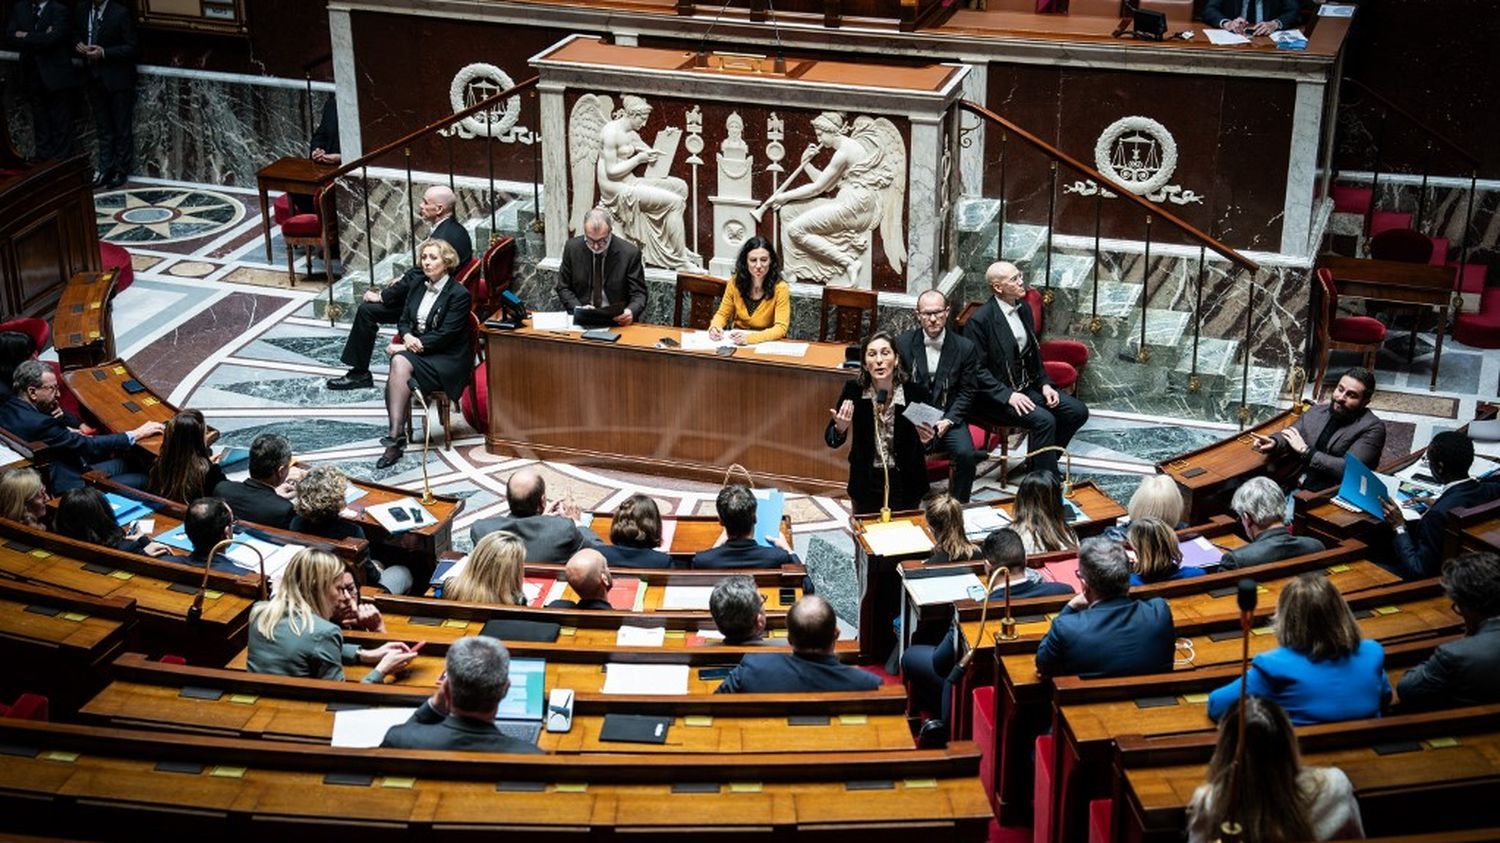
520	713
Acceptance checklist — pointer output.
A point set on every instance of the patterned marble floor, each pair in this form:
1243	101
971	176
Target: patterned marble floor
212	323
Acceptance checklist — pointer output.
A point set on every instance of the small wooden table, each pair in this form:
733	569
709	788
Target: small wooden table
1397	281
293	175
81	328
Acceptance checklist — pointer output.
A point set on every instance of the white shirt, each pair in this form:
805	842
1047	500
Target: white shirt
1013	318
430	293
934	349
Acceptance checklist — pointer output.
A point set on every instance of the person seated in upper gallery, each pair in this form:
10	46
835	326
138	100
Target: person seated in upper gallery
29	414
494	574
1039	517
265	496
1322	670
757	303
548	527
739	611
1312	450
945	517
434	345
588	575
1158	556
736	506
294	634
634	535
1022	396
84	515
812	630
319	506
1466	671
600	271
460	714
23	497
1104	631
207	522
1156	497
1252	17
1276	798
385	305
945	372
1418	551
1261	508
185	468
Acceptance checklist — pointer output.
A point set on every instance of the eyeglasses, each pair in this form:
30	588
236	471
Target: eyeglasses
933	314
596	244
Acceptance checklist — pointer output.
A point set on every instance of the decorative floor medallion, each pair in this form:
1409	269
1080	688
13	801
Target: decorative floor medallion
164	214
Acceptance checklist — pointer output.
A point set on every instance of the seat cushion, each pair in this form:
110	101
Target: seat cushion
1072	352
38	329
302	225
281	209
117	258
1063	376
475	403
1041	790
1358	329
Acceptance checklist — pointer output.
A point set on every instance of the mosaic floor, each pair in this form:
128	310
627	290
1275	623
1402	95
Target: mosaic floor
213	324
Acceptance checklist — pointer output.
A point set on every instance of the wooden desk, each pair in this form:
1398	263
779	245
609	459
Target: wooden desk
419	548
82	331
632	406
1475	528
101	392
1209	475
58	642
1400	282
693	532
292	174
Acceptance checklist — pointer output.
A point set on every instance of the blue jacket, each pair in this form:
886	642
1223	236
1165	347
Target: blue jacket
1032	588
69	451
1183	573
620	556
1419	549
784	673
742	553
1121	636
1314	692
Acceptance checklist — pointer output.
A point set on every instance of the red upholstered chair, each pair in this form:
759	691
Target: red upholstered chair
1365	334
1063	359
1101	820
983	699
1041	790
41	334
499	273
308	231
26	707
1401	244
470	276
116	259
940	467
443	401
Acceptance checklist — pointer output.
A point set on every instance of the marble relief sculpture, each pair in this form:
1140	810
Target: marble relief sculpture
827	239
605	148
733	201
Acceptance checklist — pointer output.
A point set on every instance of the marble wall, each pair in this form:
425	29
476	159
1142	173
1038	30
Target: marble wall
1445	212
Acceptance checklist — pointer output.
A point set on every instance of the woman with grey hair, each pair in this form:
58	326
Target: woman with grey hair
1261	508
320	500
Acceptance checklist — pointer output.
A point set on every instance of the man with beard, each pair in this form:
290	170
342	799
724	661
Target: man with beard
1324	434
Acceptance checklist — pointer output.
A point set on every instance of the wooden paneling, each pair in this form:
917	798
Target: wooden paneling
46	233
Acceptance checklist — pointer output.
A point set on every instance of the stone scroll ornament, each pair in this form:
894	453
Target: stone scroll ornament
827	238
605	149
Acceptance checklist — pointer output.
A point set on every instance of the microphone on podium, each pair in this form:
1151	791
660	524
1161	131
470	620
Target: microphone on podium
1246	594
881	397
427	498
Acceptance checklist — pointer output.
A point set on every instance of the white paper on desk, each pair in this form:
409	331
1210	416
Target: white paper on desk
640	636
245	557
416	515
366	727
559	320
983	520
1289	36
710	634
701	341
782	349
1336	10
929	591
919	414
1487	430
660	680
277	561
1224	37
687	598
896	538
530	589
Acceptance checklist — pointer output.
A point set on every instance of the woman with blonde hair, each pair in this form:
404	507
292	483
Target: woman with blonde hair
1158	556
184	469
1323	671
1157	497
945	517
494	573
293	633
1039	518
1274	798
23	498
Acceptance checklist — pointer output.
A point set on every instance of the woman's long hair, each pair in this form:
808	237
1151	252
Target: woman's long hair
184	461
1158	556
302	594
17	487
494	572
945	516
1269	804
741	277
84	514
1039	513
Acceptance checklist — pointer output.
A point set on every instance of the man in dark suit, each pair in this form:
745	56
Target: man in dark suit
257	499
739	610
736	506
1324	434
41	34
1260	17
460	715
943	369
207	522
325	139
106	33
32	415
1418	552
1104	631
587	573
1261	508
549	528
1023	395
385	306
812	631
1467	671
601	270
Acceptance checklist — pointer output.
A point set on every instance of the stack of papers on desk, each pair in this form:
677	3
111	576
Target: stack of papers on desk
560	320
125	509
1224	37
686	598
413	515
783	349
897	538
364	728
1291	39
701	341
980	521
640	636
929	591
1201	553
653	679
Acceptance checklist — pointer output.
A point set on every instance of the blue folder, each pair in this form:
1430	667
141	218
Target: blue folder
1361	488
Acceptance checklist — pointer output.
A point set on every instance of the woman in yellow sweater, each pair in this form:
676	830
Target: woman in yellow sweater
757	303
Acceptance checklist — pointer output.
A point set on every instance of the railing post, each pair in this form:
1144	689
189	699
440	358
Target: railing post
411	208
489	151
452	183
1245	371
538	224
1194	381
1004	203
1095	323
1143	353
364	179
1047	295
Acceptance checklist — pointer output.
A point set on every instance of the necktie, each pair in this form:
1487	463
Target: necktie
596	294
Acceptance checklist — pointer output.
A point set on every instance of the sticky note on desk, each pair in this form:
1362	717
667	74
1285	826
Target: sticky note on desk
401	782
920	784
1195	699
567	630
1386	610
853	719
39	553
243	699
119	370
1442	743
75	617
698	720
1261	630
1337	569
227	772
453	623
213	595
571	787
122	575
745	787
59	755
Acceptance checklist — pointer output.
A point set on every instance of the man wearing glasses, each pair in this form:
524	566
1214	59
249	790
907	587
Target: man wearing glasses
31	415
944	369
600	271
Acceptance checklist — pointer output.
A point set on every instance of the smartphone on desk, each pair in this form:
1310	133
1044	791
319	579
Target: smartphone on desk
726	350
667	342
134	386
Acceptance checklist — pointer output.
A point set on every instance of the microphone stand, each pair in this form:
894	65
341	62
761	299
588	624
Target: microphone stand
885	465
195	611
1229	829
957	672
427	498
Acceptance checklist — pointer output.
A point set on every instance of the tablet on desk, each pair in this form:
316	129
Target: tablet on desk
597	316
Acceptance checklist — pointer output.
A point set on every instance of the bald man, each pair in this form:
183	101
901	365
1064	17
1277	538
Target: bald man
549	528
384	306
812	630
1023	395
587	572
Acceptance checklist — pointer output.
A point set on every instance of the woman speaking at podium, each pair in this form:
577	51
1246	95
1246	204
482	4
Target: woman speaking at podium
885	442
757	304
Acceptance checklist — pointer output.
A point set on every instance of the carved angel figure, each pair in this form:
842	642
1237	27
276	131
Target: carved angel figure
868	168
648	210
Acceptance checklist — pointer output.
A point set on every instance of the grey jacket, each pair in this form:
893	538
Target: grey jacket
1364	437
549	538
317	653
1273	545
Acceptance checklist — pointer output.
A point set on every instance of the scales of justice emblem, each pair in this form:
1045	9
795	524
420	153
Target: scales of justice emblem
1140	155
474	84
